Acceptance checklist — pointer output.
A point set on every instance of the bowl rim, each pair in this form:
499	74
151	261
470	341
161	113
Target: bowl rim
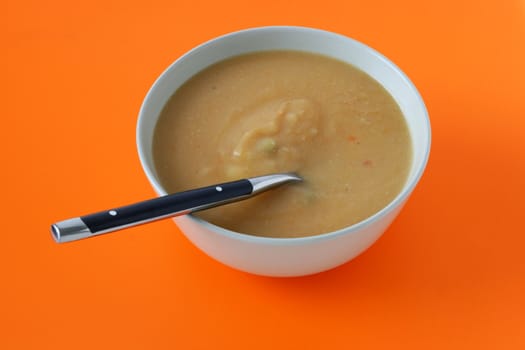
395	203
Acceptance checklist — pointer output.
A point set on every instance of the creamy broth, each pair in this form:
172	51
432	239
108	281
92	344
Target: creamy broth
283	111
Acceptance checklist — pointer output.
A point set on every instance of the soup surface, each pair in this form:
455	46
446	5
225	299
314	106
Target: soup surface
284	111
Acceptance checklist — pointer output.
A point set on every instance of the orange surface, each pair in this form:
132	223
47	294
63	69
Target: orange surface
449	273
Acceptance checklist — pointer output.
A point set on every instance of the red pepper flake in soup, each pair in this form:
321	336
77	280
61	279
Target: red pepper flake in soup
352	139
368	163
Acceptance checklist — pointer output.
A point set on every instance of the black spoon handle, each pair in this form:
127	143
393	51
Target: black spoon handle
167	206
171	205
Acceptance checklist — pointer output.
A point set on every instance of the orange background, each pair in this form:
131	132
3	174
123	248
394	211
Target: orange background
449	273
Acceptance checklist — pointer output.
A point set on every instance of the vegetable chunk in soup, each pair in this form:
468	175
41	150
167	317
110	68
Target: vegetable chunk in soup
282	111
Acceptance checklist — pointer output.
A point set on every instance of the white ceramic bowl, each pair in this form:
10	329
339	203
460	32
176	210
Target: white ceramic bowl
288	256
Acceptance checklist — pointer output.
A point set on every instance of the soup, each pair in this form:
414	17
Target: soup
282	111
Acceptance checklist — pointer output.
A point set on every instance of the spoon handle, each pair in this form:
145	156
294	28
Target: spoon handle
163	207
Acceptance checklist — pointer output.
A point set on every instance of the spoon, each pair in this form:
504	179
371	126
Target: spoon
166	206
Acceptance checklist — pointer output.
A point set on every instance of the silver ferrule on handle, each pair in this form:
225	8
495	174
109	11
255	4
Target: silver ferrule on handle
70	230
